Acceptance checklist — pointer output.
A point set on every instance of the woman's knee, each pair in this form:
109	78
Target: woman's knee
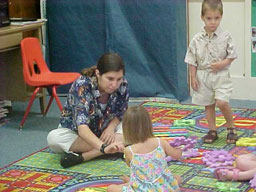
52	140
52	137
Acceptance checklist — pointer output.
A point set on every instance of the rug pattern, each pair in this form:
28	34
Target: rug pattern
41	171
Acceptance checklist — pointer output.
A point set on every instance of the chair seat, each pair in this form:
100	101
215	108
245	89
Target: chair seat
53	78
37	74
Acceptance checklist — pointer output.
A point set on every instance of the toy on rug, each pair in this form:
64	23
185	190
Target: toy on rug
218	158
221	186
188	145
253	182
184	122
246	141
187	142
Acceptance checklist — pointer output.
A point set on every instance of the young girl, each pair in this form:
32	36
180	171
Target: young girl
245	169
145	155
210	54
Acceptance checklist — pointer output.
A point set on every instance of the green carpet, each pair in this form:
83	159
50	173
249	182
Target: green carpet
41	171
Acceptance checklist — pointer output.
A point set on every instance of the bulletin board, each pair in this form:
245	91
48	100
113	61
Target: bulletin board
253	49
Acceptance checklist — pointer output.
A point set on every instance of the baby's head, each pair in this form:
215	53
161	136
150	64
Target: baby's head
213	5
137	125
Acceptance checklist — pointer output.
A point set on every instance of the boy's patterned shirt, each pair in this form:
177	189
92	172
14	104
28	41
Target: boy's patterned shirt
82	106
204	50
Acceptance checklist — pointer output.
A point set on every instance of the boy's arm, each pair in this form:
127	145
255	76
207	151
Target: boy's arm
219	65
192	72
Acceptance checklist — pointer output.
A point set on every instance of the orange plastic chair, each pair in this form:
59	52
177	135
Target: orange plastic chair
37	74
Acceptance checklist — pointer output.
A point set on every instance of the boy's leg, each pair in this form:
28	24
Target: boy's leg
211	116
227	113
211	119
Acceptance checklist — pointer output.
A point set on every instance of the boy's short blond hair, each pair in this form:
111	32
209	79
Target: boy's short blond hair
137	125
211	5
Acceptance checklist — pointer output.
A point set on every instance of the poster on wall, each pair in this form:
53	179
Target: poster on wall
254	39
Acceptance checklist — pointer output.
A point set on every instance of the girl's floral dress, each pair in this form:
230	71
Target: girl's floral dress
150	173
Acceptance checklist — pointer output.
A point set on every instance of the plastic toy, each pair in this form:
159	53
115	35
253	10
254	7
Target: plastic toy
253	182
184	122
188	149
215	159
224	187
189	142
246	141
190	153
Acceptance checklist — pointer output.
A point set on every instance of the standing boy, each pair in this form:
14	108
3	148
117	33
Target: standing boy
210	54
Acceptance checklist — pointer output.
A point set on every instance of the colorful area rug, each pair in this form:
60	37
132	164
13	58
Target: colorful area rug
41	170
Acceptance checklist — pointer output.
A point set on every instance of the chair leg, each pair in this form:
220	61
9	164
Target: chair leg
57	98
48	105
31	100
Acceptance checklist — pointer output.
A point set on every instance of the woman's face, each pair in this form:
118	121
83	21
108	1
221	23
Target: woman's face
110	81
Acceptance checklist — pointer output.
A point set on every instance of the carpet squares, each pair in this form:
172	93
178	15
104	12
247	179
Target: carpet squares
41	170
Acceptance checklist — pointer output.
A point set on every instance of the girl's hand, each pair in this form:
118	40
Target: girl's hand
108	136
114	148
125	178
194	84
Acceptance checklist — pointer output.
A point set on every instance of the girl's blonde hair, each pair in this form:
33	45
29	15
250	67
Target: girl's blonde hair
211	5
137	125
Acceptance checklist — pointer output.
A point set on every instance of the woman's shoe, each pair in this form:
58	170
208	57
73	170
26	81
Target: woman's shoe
71	159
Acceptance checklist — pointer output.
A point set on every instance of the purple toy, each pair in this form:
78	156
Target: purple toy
189	142
215	159
188	150
253	182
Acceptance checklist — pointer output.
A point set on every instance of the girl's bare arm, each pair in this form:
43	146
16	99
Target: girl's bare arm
171	151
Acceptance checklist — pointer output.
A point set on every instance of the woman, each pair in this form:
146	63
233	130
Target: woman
90	123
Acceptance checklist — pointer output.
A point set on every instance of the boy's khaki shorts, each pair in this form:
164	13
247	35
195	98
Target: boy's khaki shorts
212	86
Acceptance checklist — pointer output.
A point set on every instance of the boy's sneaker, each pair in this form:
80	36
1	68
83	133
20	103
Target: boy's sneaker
71	159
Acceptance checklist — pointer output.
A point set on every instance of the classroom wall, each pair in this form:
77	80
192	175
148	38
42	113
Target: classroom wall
253	64
150	35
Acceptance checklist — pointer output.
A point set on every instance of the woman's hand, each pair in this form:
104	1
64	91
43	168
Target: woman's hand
108	135
114	148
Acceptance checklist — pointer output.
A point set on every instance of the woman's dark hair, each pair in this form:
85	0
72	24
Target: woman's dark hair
107	62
